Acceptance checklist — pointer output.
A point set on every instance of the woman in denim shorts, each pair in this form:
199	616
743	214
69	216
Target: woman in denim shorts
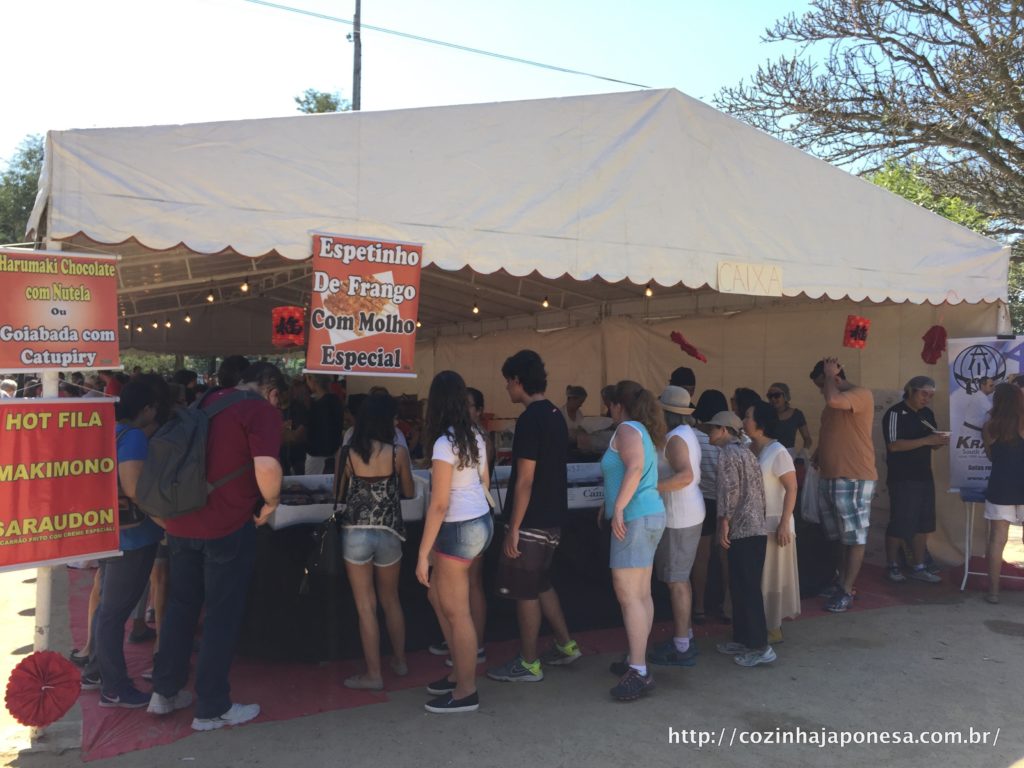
372	532
456	531
637	512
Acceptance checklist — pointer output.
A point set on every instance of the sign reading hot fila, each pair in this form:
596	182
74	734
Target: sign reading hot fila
58	481
362	320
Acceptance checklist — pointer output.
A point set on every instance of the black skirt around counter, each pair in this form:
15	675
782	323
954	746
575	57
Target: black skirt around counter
284	624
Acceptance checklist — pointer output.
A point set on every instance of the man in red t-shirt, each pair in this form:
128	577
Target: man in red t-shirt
111	384
213	551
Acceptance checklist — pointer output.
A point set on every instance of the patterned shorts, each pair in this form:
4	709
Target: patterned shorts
845	508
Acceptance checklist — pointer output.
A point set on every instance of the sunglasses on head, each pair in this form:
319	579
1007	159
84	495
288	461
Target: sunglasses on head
774	395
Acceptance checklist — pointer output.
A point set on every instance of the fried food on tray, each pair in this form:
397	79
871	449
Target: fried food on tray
341	303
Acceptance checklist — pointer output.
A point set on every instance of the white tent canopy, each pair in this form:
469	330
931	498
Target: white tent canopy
650	185
569	198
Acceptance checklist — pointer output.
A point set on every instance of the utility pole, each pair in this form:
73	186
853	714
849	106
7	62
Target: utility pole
357	63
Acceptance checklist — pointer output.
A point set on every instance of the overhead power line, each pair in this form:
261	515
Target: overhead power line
432	41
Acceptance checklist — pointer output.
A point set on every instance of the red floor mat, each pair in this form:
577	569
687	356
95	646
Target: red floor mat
287	691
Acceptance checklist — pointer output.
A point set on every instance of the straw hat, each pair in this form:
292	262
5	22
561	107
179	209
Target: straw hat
676	400
727	419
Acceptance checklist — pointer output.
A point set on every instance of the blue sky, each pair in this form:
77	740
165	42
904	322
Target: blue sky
74	64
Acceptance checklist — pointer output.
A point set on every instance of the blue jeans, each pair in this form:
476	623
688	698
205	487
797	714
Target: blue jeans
123	580
215	572
466	539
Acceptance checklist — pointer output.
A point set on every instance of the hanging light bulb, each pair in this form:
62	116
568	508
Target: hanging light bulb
127	326
156	324
209	297
545	303
138	329
167	323
476	309
648	292
245	287
419	324
188	318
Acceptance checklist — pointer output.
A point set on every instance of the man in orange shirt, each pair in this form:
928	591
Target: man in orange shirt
846	469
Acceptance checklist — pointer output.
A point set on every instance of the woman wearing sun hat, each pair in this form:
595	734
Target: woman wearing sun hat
742	532
679	485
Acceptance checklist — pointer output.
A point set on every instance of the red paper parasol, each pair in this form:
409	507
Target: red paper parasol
42	688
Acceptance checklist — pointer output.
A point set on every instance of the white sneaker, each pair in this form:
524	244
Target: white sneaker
753	658
163	705
923	574
238	714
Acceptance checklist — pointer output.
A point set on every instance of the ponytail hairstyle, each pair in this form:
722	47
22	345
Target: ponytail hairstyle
448	415
641	405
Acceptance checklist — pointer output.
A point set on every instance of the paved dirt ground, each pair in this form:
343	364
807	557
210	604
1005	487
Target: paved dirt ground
949	664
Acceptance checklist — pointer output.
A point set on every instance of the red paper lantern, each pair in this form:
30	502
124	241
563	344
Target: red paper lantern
856	333
289	327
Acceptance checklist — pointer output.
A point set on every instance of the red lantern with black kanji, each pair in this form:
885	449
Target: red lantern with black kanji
289	328
856	333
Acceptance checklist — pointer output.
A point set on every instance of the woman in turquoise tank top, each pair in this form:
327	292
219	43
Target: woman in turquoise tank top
633	504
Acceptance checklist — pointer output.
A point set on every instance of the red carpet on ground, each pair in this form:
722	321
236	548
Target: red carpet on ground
286	691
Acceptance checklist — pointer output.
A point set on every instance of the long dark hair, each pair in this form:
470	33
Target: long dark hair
448	415
376	422
1004	421
641	405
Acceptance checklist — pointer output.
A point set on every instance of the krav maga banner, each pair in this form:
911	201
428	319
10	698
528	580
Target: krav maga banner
976	366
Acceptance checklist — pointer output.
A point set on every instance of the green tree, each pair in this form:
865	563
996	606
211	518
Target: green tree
18	184
908	181
314	102
937	83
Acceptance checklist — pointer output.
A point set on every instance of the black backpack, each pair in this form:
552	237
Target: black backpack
173	480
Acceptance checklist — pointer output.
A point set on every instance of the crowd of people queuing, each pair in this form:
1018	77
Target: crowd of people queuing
683	479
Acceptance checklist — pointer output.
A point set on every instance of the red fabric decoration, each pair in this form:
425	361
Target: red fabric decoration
42	688
934	344
687	347
289	327
856	333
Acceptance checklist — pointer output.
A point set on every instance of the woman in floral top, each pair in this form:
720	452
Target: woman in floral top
742	532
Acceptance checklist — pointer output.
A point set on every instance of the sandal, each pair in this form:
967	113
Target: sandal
993	599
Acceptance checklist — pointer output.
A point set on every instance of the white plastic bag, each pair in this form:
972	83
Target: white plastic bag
809	497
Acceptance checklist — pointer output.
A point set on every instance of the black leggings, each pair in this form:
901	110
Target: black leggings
746	562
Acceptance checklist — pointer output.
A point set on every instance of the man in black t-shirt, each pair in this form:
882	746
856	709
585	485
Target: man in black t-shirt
324	423
910	435
537	503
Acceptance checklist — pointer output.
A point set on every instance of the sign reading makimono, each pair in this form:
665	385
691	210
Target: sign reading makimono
58	481
362	319
976	366
57	311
